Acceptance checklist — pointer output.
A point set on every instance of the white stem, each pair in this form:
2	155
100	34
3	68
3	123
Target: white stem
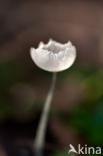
40	135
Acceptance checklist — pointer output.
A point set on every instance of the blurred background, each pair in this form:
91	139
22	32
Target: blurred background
76	115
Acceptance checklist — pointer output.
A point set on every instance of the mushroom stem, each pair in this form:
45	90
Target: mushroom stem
41	130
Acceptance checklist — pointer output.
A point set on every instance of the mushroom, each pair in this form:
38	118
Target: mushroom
53	57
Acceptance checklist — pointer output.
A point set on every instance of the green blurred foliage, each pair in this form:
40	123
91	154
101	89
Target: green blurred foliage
13	73
88	117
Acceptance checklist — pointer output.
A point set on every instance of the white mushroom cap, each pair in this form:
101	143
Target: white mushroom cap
54	56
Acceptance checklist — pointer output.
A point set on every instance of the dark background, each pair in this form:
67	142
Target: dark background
76	115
